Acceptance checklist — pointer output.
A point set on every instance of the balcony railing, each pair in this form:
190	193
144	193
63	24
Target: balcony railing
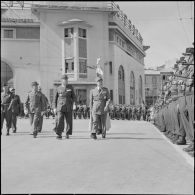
72	76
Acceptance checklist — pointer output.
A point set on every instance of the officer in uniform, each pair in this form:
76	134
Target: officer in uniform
6	114
34	104
44	108
14	107
64	99
99	104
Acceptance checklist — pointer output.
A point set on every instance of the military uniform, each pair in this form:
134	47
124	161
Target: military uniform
64	99
44	109
15	107
34	104
5	113
99	99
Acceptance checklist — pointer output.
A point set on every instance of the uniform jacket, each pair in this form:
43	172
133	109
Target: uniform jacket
34	102
64	98
98	100
15	104
45	101
5	101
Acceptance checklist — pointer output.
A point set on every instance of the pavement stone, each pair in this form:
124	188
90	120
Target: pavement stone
134	158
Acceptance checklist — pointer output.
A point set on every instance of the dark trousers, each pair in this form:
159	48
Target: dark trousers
7	115
99	121
35	121
185	118
14	121
60	122
174	116
40	123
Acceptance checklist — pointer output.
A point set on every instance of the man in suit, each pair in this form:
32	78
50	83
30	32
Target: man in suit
64	99
99	104
14	107
34	104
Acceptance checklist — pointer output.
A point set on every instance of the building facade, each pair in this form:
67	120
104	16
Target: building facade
52	38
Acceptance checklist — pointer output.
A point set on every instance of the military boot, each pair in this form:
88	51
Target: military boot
189	148
175	138
181	141
34	134
59	137
93	136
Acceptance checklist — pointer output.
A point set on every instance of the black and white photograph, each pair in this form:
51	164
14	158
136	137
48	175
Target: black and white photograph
97	97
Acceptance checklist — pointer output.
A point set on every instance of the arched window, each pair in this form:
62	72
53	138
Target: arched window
6	74
121	85
132	88
140	90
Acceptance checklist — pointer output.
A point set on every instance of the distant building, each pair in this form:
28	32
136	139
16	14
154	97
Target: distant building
154	82
56	37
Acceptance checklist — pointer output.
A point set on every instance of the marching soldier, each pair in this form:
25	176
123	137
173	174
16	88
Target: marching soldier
14	107
64	99
6	114
99	102
34	105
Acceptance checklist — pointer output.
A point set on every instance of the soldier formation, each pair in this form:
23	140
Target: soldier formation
129	112
81	111
174	111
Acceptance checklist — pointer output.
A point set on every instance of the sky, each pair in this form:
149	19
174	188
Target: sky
161	28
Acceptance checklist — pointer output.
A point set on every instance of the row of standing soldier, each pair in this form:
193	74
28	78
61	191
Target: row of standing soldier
119	112
128	112
174	112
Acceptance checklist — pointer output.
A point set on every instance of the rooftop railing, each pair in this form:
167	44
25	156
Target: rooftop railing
126	22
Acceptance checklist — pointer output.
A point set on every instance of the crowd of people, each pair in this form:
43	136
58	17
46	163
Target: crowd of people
174	110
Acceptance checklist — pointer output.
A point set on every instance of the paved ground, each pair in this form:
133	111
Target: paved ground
134	158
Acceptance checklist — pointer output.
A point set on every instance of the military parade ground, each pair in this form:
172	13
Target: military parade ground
133	158
89	106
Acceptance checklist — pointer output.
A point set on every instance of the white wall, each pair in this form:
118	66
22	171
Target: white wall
129	64
23	58
51	44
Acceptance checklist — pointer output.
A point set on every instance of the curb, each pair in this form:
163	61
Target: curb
188	158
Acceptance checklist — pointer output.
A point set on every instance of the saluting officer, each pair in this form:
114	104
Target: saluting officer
34	104
14	107
64	99
99	102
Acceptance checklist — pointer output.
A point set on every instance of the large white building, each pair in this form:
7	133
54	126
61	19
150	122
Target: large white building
52	38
